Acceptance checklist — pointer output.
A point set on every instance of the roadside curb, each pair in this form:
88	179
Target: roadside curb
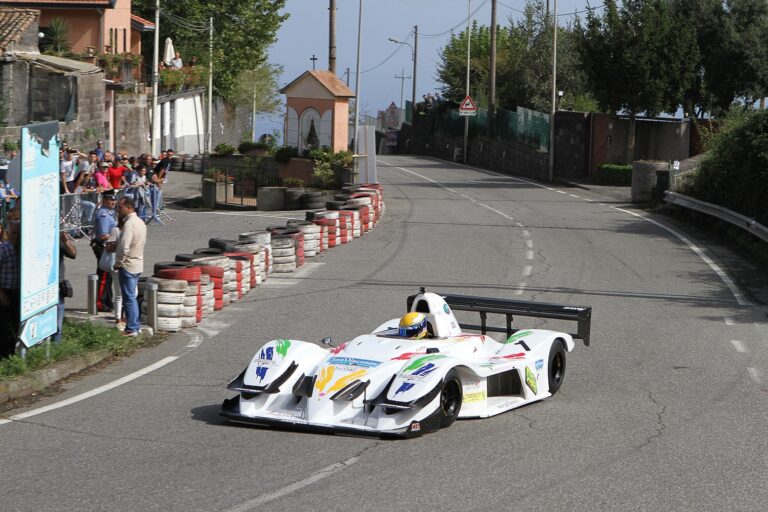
40	379
19	387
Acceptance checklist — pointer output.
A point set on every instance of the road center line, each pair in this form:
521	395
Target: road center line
739	346
91	393
289	489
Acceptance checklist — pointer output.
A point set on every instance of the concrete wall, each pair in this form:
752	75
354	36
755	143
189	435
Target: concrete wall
131	123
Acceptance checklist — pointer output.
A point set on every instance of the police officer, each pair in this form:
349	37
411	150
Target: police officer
104	222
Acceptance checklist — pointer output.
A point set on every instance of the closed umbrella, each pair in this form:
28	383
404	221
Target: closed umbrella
169	53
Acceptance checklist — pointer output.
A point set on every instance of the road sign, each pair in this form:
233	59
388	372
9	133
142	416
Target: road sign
467	107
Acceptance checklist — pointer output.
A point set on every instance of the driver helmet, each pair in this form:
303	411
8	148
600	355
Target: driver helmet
413	325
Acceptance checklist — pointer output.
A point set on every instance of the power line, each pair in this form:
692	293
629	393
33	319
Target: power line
599	7
178	21
441	34
397	49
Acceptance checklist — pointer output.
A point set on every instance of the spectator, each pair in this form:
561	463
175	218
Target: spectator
176	62
8	196
88	190
66	249
3	167
68	171
115	173
99	151
192	61
129	262
10	306
105	221
102	177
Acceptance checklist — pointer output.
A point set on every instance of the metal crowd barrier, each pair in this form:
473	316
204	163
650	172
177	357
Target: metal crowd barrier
724	214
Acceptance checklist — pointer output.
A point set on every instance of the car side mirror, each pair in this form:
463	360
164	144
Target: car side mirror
328	341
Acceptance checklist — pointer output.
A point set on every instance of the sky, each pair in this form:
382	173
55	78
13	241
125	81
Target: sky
305	33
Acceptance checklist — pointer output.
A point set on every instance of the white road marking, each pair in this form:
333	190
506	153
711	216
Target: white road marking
559	191
725	278
527	270
575	196
196	339
529	255
289	489
526	233
529	244
739	346
728	320
521	288
755	374
244	214
91	393
211	327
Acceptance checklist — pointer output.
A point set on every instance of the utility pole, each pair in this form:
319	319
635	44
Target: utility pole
402	79
415	56
554	96
492	77
332	38
154	149
210	86
357	86
469	43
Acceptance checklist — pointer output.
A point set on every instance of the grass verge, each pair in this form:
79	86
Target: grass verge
77	339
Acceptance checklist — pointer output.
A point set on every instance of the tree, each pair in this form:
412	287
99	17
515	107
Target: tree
638	59
57	37
524	63
258	87
733	60
243	30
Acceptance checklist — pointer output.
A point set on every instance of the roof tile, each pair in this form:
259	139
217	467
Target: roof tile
13	23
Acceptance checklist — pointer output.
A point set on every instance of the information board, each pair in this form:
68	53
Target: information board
39	231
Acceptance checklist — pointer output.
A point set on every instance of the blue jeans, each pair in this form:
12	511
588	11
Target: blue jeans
156	198
59	321
128	284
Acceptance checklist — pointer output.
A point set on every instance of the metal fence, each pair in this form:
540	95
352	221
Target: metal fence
526	126
724	214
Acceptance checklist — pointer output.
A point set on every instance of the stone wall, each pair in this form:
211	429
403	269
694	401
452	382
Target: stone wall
131	122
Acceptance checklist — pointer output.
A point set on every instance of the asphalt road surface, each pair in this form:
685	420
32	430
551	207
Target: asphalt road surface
665	411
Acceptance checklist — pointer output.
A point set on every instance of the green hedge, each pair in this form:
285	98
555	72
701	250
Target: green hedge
614	174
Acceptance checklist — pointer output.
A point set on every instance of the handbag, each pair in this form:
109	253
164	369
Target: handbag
107	261
65	289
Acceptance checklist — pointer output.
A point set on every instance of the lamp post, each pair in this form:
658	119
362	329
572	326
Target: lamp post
554	96
155	137
414	56
469	42
357	87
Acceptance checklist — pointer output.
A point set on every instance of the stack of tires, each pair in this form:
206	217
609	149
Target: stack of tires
312	201
178	297
263	238
293	198
250	272
241	267
329	219
346	226
284	254
311	234
298	239
356	222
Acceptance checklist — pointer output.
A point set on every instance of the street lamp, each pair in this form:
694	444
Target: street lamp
414	55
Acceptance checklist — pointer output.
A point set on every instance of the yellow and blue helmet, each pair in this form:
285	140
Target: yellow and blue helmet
413	325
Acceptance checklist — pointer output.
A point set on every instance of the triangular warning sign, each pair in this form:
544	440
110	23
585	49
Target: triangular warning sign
468	104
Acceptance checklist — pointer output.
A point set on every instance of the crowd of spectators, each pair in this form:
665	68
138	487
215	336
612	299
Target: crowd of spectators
93	181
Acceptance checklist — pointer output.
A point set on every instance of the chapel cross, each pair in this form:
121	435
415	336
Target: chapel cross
313	59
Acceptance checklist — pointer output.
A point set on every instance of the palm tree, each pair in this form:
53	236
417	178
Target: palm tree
57	37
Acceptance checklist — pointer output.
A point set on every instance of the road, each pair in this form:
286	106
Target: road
666	410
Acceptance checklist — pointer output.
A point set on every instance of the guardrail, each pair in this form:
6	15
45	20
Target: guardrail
721	213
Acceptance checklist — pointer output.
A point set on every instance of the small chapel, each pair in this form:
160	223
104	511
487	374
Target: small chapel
317	111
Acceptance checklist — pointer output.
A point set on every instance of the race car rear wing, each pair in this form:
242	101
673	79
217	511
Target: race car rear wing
484	305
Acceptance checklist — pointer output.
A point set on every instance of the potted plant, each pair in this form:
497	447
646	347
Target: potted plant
291	182
253	148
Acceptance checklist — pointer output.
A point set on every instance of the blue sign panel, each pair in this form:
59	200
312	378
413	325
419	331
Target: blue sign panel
39	231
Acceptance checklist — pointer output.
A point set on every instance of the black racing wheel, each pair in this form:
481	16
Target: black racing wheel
556	365
450	399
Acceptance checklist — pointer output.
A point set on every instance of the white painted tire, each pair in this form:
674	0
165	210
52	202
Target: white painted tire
168	285
188	321
190	300
170	298
167	324
285	260
283	268
281	253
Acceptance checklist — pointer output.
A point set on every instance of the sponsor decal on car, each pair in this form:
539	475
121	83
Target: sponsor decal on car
406	356
530	379
539	364
347	379
405	386
340	348
282	347
518	335
415	426
422	361
351	361
476	396
425	370
261	372
326	374
519	355
446	309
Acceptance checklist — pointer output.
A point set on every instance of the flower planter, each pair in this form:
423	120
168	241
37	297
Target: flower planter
224	191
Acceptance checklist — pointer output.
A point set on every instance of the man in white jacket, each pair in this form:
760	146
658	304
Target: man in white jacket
129	261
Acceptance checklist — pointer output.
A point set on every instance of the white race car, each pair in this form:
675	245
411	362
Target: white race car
387	385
